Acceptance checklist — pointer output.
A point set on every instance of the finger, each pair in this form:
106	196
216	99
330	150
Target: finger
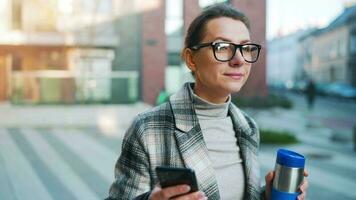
156	193
303	187
306	174
169	192
192	196
301	196
269	177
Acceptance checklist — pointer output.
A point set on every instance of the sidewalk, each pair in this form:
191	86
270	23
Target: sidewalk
333	161
107	118
316	139
306	126
70	164
112	118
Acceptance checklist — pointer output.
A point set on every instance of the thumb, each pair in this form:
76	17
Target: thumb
268	179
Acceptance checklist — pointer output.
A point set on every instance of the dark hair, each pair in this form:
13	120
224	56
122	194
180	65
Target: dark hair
197	27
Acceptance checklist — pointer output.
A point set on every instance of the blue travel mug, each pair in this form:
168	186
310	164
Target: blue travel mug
289	174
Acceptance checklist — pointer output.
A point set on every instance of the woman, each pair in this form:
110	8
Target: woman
199	128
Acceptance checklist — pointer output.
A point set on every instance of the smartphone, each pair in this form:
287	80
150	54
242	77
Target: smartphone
172	176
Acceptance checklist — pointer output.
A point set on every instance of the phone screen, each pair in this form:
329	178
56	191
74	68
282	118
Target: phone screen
171	176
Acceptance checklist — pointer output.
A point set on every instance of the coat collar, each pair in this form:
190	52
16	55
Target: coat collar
183	109
185	116
191	142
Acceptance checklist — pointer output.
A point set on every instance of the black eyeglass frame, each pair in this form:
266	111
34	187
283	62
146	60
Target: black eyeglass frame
237	46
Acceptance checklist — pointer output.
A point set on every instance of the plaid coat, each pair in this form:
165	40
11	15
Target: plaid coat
170	135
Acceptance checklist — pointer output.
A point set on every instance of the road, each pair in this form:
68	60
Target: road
44	162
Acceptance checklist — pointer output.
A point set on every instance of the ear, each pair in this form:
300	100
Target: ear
188	55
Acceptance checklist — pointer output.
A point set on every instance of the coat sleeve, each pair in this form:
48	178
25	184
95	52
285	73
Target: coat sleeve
132	179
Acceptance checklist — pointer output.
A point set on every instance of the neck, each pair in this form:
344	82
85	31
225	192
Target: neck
210	96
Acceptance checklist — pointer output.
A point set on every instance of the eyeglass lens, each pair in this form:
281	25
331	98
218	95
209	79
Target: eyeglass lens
226	51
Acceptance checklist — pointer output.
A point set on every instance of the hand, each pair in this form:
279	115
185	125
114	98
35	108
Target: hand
180	190
302	188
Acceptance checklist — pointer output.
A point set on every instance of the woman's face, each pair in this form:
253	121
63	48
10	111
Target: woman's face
216	80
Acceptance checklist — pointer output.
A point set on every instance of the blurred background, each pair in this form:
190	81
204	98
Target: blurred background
74	74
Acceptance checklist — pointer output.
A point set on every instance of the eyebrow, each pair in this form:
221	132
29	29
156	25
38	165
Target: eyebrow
227	40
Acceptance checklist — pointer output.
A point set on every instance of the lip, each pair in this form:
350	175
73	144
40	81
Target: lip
234	75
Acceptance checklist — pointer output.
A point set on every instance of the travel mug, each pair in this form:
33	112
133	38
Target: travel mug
289	174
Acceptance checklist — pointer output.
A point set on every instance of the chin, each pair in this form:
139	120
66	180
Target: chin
234	88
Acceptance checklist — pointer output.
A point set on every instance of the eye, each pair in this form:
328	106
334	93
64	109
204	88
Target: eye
222	46
249	48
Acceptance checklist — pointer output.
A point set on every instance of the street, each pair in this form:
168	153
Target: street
44	162
331	164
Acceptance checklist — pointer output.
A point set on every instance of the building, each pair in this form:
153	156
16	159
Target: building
283	63
329	54
77	51
113	51
43	48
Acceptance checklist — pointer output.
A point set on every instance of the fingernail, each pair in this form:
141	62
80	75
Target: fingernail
302	189
201	195
186	188
203	198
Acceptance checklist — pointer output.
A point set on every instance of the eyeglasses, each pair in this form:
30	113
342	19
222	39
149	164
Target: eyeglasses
225	51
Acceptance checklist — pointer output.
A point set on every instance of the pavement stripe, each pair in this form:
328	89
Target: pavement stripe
112	143
25	182
6	189
54	186
96	155
320	177
90	176
56	164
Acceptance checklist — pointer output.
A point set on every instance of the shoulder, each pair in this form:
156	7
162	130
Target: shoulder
161	113
245	118
251	122
247	126
154	120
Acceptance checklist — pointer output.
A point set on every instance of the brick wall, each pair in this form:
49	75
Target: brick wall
191	9
154	54
256	12
3	78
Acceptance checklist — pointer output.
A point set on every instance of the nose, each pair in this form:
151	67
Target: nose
237	60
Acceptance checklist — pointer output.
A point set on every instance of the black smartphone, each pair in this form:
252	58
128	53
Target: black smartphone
171	176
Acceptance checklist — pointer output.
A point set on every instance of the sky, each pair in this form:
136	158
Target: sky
283	16
286	16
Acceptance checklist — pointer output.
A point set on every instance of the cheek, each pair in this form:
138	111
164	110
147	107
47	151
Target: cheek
206	58
248	70
209	72
206	64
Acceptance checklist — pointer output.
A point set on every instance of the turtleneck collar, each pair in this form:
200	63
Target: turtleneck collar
208	109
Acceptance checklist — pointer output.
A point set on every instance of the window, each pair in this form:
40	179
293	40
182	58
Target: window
174	30
16	15
174	16
16	62
353	43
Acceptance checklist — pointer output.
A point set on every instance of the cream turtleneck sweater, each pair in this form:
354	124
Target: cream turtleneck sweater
219	136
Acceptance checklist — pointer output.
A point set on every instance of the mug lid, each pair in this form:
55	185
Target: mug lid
290	158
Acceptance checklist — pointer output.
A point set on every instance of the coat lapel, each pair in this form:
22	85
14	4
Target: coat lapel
248	144
191	142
